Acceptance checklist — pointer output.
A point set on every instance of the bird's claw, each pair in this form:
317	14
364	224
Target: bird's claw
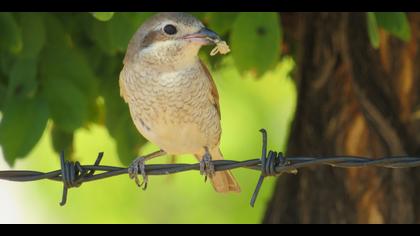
136	167
207	167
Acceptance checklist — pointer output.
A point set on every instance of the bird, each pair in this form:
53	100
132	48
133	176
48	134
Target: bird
171	95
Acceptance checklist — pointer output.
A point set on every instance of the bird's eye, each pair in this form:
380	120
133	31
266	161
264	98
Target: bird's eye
170	29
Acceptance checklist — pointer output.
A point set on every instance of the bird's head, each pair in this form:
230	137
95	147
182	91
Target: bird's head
169	39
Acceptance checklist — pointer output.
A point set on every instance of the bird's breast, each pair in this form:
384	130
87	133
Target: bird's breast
173	109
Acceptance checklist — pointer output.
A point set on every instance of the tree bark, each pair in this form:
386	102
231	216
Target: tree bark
353	100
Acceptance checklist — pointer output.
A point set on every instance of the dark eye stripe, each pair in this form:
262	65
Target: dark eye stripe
152	37
170	29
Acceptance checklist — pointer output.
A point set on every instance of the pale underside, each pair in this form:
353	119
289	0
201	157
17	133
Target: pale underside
177	111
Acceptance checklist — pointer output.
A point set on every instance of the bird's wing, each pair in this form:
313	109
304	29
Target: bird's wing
123	91
213	89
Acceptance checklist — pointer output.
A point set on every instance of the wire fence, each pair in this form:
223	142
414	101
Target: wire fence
271	163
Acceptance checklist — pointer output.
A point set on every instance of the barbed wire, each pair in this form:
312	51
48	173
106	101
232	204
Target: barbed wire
271	163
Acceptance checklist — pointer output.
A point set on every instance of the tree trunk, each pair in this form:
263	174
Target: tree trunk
353	100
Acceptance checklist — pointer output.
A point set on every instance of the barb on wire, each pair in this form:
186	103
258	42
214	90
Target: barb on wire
271	163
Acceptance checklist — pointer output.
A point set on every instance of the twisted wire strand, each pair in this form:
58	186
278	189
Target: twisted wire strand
271	163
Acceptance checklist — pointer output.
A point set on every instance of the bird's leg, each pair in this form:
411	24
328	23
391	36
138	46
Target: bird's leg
206	166
138	166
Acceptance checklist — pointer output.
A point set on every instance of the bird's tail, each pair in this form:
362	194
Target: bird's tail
222	181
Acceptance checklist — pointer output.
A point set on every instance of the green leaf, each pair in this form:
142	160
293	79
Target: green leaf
94	112
22	81
103	16
115	107
2	95
55	32
111	68
62	141
221	22
73	25
395	23
68	105
33	34
69	86
255	41
101	35
123	27
113	36
373	29
72	67
24	121
128	140
94	56
7	60
10	35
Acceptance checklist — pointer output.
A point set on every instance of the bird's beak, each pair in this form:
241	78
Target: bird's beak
205	36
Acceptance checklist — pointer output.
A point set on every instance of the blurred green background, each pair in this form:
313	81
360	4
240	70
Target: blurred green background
59	91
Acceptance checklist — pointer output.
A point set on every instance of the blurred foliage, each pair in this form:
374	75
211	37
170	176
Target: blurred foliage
22	125
69	64
247	105
255	41
373	30
57	66
59	91
10	35
395	23
103	16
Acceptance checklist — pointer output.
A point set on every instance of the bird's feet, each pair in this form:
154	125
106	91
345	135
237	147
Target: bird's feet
206	166
136	167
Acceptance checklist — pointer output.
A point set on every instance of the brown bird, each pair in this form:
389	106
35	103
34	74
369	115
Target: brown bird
171	95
